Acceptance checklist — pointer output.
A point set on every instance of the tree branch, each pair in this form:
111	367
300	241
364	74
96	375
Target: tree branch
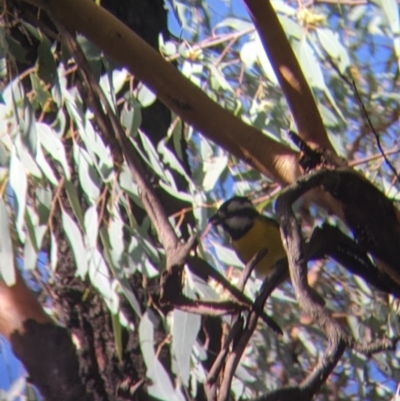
290	76
174	90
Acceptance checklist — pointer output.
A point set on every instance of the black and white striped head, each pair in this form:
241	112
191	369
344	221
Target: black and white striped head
236	216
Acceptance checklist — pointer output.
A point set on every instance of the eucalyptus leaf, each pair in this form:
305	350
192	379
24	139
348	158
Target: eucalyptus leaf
161	386
145	96
19	186
226	255
46	63
100	278
53	145
75	240
7	266
186	327
213	168
72	195
91	227
45	166
88	176
53	251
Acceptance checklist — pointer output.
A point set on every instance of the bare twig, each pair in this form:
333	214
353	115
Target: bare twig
377	136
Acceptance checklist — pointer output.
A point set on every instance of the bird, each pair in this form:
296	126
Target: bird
250	232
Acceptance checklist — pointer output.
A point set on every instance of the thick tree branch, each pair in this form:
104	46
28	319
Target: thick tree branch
338	339
17	305
290	76
174	90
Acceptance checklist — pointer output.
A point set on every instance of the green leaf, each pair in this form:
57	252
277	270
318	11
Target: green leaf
100	278
292	28
42	95
112	83
31	166
74	202
131	119
171	160
313	72
16	49
45	166
153	159
235	23
96	147
27	127
75	240
91	51
172	190
391	11
46	64
19	185
36	231
310	66
7	271
128	185
91	227
116	325
329	119
88	176
226	255
217	80
53	145
186	326
145	96
116	238
161	386
213	168
331	44
53	251
44	198
30	255
119	274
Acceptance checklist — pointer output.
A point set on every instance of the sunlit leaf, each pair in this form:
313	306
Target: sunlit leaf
88	176
213	169
49	140
161	386
185	329
145	96
72	195
100	278
91	227
19	185
75	240
7	271
227	255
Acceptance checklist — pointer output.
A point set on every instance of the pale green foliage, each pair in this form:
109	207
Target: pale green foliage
361	41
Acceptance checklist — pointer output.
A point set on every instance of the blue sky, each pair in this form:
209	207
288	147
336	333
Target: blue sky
10	367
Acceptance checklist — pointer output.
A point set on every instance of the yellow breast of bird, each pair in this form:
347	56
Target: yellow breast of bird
263	234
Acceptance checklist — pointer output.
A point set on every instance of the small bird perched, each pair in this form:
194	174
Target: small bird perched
250	232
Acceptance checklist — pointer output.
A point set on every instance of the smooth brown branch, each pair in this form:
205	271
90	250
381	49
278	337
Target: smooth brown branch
203	269
220	360
242	282
241	341
250	267
295	249
177	92
338	183
289	74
